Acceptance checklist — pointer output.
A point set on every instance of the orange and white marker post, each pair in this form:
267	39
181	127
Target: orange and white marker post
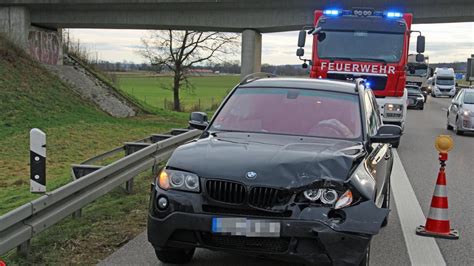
437	223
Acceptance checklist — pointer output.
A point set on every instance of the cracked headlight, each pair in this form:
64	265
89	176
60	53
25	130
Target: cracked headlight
336	196
179	180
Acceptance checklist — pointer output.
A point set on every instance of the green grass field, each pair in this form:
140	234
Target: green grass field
205	94
76	130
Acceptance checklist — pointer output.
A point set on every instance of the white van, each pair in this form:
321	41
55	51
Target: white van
443	82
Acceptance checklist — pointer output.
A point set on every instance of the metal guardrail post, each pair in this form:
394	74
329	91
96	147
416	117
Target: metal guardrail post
78	171
131	147
24	248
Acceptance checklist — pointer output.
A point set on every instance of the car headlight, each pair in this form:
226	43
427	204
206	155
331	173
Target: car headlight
466	113
334	196
180	180
420	98
390	107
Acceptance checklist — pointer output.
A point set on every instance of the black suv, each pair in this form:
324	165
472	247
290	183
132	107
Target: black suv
293	169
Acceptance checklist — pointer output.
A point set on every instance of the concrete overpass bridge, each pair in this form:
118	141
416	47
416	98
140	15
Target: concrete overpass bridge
250	17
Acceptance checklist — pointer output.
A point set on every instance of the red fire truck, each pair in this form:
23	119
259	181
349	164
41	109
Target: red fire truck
364	43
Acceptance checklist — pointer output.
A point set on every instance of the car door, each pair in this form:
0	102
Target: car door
377	161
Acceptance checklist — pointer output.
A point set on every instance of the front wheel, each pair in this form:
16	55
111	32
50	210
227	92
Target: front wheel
175	255
365	260
456	127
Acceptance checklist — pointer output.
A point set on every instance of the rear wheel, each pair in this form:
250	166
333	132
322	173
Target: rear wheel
396	144
386	201
174	255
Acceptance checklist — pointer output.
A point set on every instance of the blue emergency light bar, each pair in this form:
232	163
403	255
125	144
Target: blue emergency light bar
332	12
392	14
362	12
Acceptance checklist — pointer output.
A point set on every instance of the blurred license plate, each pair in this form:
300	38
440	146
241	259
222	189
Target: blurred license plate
411	101
245	227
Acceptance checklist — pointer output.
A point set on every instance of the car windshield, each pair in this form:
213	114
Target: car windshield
445	81
298	112
469	97
413	90
360	46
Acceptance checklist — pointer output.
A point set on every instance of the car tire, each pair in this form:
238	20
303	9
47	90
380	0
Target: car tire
422	107
456	128
396	144
386	201
175	255
366	259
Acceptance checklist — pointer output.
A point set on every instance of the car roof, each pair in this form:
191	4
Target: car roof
468	90
303	83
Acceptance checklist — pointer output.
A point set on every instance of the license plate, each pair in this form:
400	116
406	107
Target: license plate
411	101
245	227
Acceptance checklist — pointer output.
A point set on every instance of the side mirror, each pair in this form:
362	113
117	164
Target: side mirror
420	44
420	58
387	134
300	52
302	38
198	120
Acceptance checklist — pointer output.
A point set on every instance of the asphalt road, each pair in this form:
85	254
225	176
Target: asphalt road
419	158
389	247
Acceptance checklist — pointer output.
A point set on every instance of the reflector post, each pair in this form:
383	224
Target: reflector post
37	161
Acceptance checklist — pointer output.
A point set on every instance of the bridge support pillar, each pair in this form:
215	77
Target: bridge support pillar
251	56
15	24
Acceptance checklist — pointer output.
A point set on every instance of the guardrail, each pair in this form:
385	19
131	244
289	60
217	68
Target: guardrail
18	226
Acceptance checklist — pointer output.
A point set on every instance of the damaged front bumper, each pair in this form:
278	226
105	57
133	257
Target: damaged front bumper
307	235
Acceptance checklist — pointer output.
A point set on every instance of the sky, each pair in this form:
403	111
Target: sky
448	42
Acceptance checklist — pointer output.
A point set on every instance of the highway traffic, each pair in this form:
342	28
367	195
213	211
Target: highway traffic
396	244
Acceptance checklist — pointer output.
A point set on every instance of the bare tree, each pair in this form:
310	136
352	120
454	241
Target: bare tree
178	51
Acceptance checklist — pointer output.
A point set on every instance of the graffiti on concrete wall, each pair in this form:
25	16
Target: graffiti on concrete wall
45	46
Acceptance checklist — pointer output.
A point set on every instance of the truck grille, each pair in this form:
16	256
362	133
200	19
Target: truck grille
225	191
264	197
262	244
376	82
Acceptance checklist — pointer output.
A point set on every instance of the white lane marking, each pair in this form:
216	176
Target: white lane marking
421	250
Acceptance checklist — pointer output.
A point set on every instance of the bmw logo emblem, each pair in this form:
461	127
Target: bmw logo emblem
251	175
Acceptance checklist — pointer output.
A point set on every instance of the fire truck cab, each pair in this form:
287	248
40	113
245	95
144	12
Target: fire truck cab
368	44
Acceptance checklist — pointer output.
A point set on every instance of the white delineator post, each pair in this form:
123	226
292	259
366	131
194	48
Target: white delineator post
37	161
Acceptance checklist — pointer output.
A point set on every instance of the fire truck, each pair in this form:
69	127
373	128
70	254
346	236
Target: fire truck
364	43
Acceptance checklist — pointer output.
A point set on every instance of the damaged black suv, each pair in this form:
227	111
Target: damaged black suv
292	169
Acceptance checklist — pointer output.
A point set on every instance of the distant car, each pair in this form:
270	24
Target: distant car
416	99
461	112
291	169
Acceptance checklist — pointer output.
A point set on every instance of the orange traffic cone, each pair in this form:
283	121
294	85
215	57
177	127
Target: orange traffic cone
437	223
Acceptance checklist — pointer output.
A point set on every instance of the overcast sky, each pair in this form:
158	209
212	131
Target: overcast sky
447	42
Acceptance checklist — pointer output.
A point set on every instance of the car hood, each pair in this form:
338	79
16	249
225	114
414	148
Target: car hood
282	161
468	106
415	94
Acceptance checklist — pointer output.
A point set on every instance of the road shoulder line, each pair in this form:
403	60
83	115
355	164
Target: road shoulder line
421	250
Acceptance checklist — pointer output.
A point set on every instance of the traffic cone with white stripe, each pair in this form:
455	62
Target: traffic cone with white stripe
437	223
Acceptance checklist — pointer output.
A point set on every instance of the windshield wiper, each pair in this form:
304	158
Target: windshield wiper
338	58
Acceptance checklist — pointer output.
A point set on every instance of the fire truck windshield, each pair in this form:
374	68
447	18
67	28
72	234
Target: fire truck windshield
360	46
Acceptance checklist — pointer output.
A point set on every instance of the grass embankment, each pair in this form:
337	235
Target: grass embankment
208	91
31	97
